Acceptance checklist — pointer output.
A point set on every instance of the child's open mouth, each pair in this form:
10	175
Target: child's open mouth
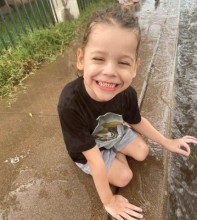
106	84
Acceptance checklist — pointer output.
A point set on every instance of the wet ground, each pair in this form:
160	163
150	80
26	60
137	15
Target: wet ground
183	176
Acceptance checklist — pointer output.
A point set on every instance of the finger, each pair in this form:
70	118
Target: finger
126	216
133	213
118	217
133	207
190	140
190	137
187	147
186	152
126	200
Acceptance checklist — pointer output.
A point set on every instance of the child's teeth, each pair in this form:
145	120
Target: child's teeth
105	84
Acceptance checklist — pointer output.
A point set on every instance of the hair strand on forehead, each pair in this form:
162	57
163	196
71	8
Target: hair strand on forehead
115	15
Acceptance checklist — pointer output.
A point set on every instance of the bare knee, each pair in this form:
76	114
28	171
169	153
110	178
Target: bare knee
144	151
137	149
124	177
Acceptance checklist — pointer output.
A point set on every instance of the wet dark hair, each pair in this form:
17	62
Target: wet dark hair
115	15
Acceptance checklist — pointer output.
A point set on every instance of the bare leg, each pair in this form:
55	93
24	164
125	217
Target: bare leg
136	149
120	173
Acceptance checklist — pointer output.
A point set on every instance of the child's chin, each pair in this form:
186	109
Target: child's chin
105	98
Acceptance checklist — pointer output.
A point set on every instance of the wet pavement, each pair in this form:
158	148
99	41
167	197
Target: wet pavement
37	178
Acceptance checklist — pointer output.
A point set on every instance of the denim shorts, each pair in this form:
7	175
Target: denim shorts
109	155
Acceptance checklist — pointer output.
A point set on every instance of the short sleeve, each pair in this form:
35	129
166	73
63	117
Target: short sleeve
76	135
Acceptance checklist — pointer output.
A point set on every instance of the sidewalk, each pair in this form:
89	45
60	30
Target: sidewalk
38	181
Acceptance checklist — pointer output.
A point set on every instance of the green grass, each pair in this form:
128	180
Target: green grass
40	46
37	20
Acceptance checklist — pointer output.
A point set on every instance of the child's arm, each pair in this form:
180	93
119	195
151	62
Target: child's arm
116	205
145	128
99	174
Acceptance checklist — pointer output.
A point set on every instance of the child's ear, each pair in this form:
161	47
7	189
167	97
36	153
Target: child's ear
80	57
138	61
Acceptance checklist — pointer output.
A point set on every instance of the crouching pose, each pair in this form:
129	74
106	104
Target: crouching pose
99	114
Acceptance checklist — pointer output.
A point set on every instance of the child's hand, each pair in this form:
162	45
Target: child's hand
181	145
121	209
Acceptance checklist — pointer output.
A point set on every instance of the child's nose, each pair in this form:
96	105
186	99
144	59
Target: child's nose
110	69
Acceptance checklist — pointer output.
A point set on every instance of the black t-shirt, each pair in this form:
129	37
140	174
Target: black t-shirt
86	122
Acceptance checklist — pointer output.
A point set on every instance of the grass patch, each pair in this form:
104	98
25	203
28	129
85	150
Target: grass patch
38	47
25	19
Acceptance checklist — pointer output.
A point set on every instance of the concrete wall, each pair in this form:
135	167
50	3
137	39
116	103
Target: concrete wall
66	9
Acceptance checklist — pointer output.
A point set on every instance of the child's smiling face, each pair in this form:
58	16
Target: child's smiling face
108	61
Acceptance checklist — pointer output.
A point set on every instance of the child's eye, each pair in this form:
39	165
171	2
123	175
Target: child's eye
124	63
98	58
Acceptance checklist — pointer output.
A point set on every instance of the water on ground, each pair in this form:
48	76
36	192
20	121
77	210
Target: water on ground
183	178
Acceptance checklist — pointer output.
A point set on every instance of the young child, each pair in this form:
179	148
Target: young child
99	114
